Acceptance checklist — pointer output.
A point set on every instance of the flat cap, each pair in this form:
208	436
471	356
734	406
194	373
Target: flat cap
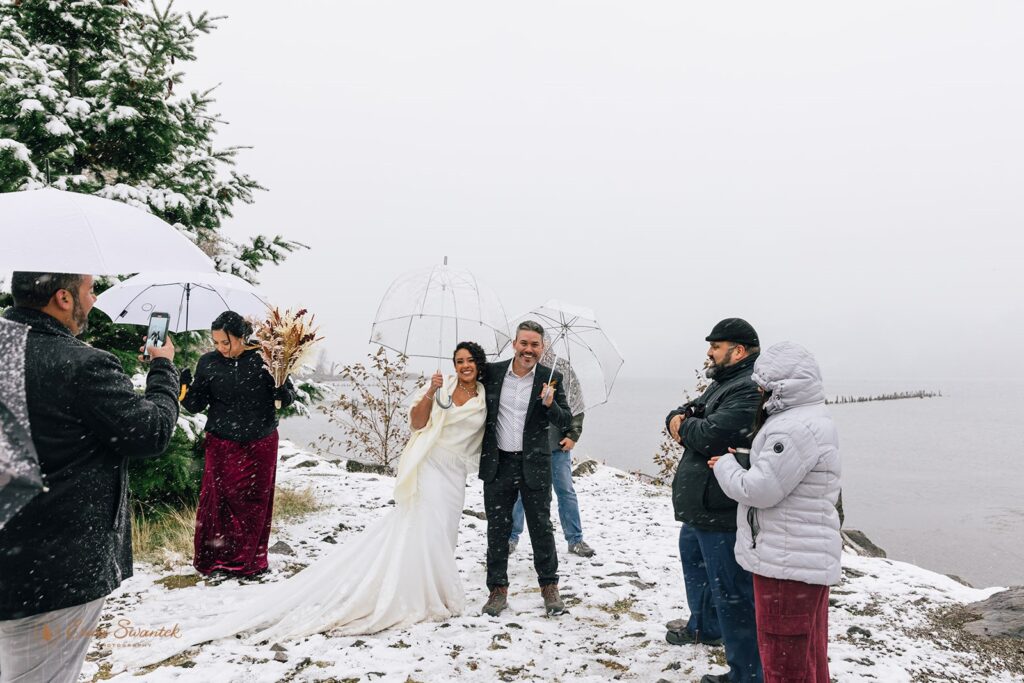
736	330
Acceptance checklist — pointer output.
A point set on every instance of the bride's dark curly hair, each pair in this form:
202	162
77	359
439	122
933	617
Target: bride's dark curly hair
479	357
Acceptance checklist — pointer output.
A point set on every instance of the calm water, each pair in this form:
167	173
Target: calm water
936	482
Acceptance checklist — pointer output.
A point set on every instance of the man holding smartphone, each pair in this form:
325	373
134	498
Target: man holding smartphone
70	546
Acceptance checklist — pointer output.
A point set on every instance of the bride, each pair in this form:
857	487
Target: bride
401	569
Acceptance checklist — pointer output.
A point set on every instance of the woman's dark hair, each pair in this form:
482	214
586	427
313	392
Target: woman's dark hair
478	353
762	411
233	324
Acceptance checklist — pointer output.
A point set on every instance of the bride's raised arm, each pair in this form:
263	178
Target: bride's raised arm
420	412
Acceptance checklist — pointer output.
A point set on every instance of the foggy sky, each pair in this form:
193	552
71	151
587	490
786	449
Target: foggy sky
847	177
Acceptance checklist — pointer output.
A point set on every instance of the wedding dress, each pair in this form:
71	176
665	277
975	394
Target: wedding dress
398	571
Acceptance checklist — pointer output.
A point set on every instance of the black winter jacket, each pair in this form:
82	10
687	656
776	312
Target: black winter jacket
723	418
240	395
72	544
536	447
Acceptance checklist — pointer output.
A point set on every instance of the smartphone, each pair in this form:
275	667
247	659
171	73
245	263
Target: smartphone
157	334
743	457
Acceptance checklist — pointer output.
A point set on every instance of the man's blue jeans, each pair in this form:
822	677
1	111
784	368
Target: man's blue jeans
710	567
568	505
703	620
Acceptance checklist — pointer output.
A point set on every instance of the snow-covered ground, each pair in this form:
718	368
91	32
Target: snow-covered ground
888	621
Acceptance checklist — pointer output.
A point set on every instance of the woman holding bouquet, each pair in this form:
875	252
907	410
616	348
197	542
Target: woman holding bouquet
236	500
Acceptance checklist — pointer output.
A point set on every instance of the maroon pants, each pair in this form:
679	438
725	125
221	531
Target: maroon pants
236	503
792	630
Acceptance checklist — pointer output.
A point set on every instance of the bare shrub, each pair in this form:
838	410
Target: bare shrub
370	410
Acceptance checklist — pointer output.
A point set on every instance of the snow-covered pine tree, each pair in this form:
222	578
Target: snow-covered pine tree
91	101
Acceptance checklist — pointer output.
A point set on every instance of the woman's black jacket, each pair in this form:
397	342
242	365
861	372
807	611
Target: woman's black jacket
240	395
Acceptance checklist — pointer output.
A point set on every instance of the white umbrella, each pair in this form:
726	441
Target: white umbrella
575	339
193	300
53	231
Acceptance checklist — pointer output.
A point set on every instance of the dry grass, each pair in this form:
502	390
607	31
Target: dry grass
291	504
165	537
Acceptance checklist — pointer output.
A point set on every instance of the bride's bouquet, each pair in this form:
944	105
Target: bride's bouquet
284	340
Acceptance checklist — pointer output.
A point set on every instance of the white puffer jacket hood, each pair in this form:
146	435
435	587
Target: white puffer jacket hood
787	523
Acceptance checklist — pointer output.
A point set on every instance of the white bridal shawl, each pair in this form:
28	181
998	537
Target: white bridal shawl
454	431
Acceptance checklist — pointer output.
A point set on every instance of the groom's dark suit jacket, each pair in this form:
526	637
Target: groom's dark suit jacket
536	452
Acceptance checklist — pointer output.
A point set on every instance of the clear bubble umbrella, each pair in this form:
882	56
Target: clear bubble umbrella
574	340
426	312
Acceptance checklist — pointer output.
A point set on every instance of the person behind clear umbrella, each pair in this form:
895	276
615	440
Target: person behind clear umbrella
236	497
561	443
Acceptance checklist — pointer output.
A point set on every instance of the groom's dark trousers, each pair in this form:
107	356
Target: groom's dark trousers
499	499
507	475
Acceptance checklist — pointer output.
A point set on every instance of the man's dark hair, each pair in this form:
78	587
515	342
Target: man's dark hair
478	353
34	290
530	326
233	324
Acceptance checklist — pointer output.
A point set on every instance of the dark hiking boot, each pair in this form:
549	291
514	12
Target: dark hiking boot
684	637
497	601
581	549
715	678
553	604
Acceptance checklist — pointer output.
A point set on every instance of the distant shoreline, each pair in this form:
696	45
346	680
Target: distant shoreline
897	396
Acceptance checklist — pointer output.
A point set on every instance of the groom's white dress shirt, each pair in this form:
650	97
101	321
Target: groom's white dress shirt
516	393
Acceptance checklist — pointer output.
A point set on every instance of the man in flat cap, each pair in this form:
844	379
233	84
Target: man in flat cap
719	592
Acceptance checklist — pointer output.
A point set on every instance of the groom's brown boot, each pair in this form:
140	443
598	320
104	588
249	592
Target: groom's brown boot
497	602
552	602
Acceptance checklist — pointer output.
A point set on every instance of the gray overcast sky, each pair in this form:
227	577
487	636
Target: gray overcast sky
845	176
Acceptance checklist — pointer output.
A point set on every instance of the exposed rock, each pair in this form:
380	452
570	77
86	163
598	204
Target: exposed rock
857	631
281	548
356	466
586	467
280	657
858	542
1000	616
278	647
962	581
308	463
474	513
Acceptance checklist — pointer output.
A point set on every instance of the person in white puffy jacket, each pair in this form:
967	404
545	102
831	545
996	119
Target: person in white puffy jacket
788	526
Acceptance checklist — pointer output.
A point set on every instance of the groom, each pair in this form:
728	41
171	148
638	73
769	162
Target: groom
516	461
